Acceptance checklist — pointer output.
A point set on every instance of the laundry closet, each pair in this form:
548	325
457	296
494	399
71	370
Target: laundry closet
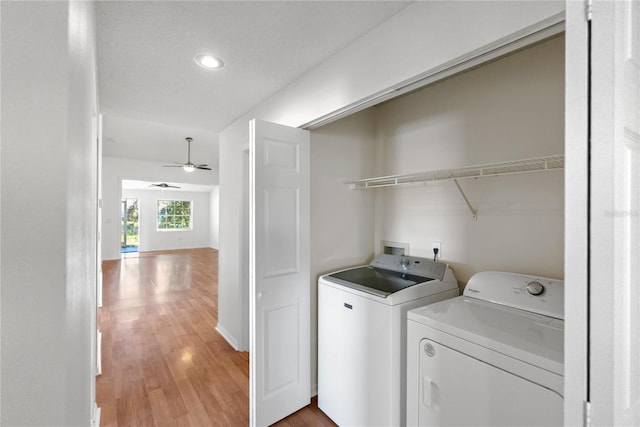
509	109
375	180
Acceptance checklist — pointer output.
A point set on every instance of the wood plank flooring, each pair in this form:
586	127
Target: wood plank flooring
163	363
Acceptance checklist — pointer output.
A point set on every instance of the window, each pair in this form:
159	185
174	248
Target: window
174	215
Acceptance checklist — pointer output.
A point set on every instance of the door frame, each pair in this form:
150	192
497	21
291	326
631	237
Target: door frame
614	320
576	239
123	222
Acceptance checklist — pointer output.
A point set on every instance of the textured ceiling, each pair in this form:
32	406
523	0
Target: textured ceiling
145	49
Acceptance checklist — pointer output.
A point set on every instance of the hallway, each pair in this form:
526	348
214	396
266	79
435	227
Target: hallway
163	363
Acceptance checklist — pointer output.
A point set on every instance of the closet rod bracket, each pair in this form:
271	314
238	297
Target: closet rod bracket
474	212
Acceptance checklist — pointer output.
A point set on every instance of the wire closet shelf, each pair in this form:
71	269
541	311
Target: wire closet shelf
537	164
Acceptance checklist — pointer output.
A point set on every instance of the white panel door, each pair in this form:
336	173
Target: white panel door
279	272
615	214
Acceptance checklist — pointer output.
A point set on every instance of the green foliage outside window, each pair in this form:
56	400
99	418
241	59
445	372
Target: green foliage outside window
174	215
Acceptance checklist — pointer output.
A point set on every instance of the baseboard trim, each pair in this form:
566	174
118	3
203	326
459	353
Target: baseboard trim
99	353
228	337
97	412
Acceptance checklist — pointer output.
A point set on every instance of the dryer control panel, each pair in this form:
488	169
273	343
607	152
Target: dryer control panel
540	295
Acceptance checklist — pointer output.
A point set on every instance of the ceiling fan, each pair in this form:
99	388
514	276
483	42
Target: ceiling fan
189	167
163	185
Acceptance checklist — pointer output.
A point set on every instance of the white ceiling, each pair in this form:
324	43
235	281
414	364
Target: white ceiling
152	93
144	140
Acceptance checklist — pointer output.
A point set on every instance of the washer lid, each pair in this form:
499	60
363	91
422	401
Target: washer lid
376	281
388	274
532	338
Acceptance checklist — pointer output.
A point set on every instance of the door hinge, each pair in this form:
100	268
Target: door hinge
587	414
588	10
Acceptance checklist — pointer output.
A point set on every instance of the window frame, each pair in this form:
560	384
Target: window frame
173	215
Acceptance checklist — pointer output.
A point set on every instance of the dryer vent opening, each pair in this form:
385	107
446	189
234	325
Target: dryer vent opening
395	248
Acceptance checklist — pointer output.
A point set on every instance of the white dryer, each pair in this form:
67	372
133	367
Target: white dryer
362	335
491	357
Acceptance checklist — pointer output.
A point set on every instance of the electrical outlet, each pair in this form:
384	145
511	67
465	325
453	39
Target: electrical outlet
437	245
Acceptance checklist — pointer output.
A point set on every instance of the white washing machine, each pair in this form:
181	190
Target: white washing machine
362	335
491	357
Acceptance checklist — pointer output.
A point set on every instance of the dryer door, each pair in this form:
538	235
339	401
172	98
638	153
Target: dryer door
456	389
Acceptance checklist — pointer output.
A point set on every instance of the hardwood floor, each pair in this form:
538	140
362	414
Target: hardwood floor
163	363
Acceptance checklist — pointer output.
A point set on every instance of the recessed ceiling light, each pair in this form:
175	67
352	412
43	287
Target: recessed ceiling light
209	62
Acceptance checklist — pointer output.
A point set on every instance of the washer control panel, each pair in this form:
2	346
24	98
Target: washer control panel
540	295
411	265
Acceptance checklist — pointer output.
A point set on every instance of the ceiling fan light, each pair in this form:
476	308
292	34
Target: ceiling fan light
209	62
189	168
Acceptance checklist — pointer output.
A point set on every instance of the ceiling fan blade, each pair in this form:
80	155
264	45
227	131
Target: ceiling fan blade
163	185
188	165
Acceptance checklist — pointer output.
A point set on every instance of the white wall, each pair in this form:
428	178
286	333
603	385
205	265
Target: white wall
506	110
233	256
48	174
420	38
114	170
150	239
342	220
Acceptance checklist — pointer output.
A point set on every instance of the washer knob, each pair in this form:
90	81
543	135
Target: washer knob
535	288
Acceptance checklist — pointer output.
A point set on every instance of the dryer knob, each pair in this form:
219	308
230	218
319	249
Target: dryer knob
535	288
